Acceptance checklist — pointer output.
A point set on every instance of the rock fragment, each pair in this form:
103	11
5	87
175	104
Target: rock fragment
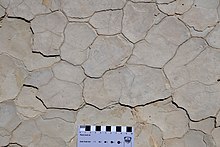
200	100
138	19
203	14
182	69
67	72
27	104
12	76
48	33
125	84
214	37
172	121
78	38
170	33
152	135
61	94
176	7
107	22
85	8
215	134
107	52
205	126
9	120
191	139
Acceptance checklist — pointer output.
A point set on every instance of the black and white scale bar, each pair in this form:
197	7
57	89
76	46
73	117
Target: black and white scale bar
106	128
